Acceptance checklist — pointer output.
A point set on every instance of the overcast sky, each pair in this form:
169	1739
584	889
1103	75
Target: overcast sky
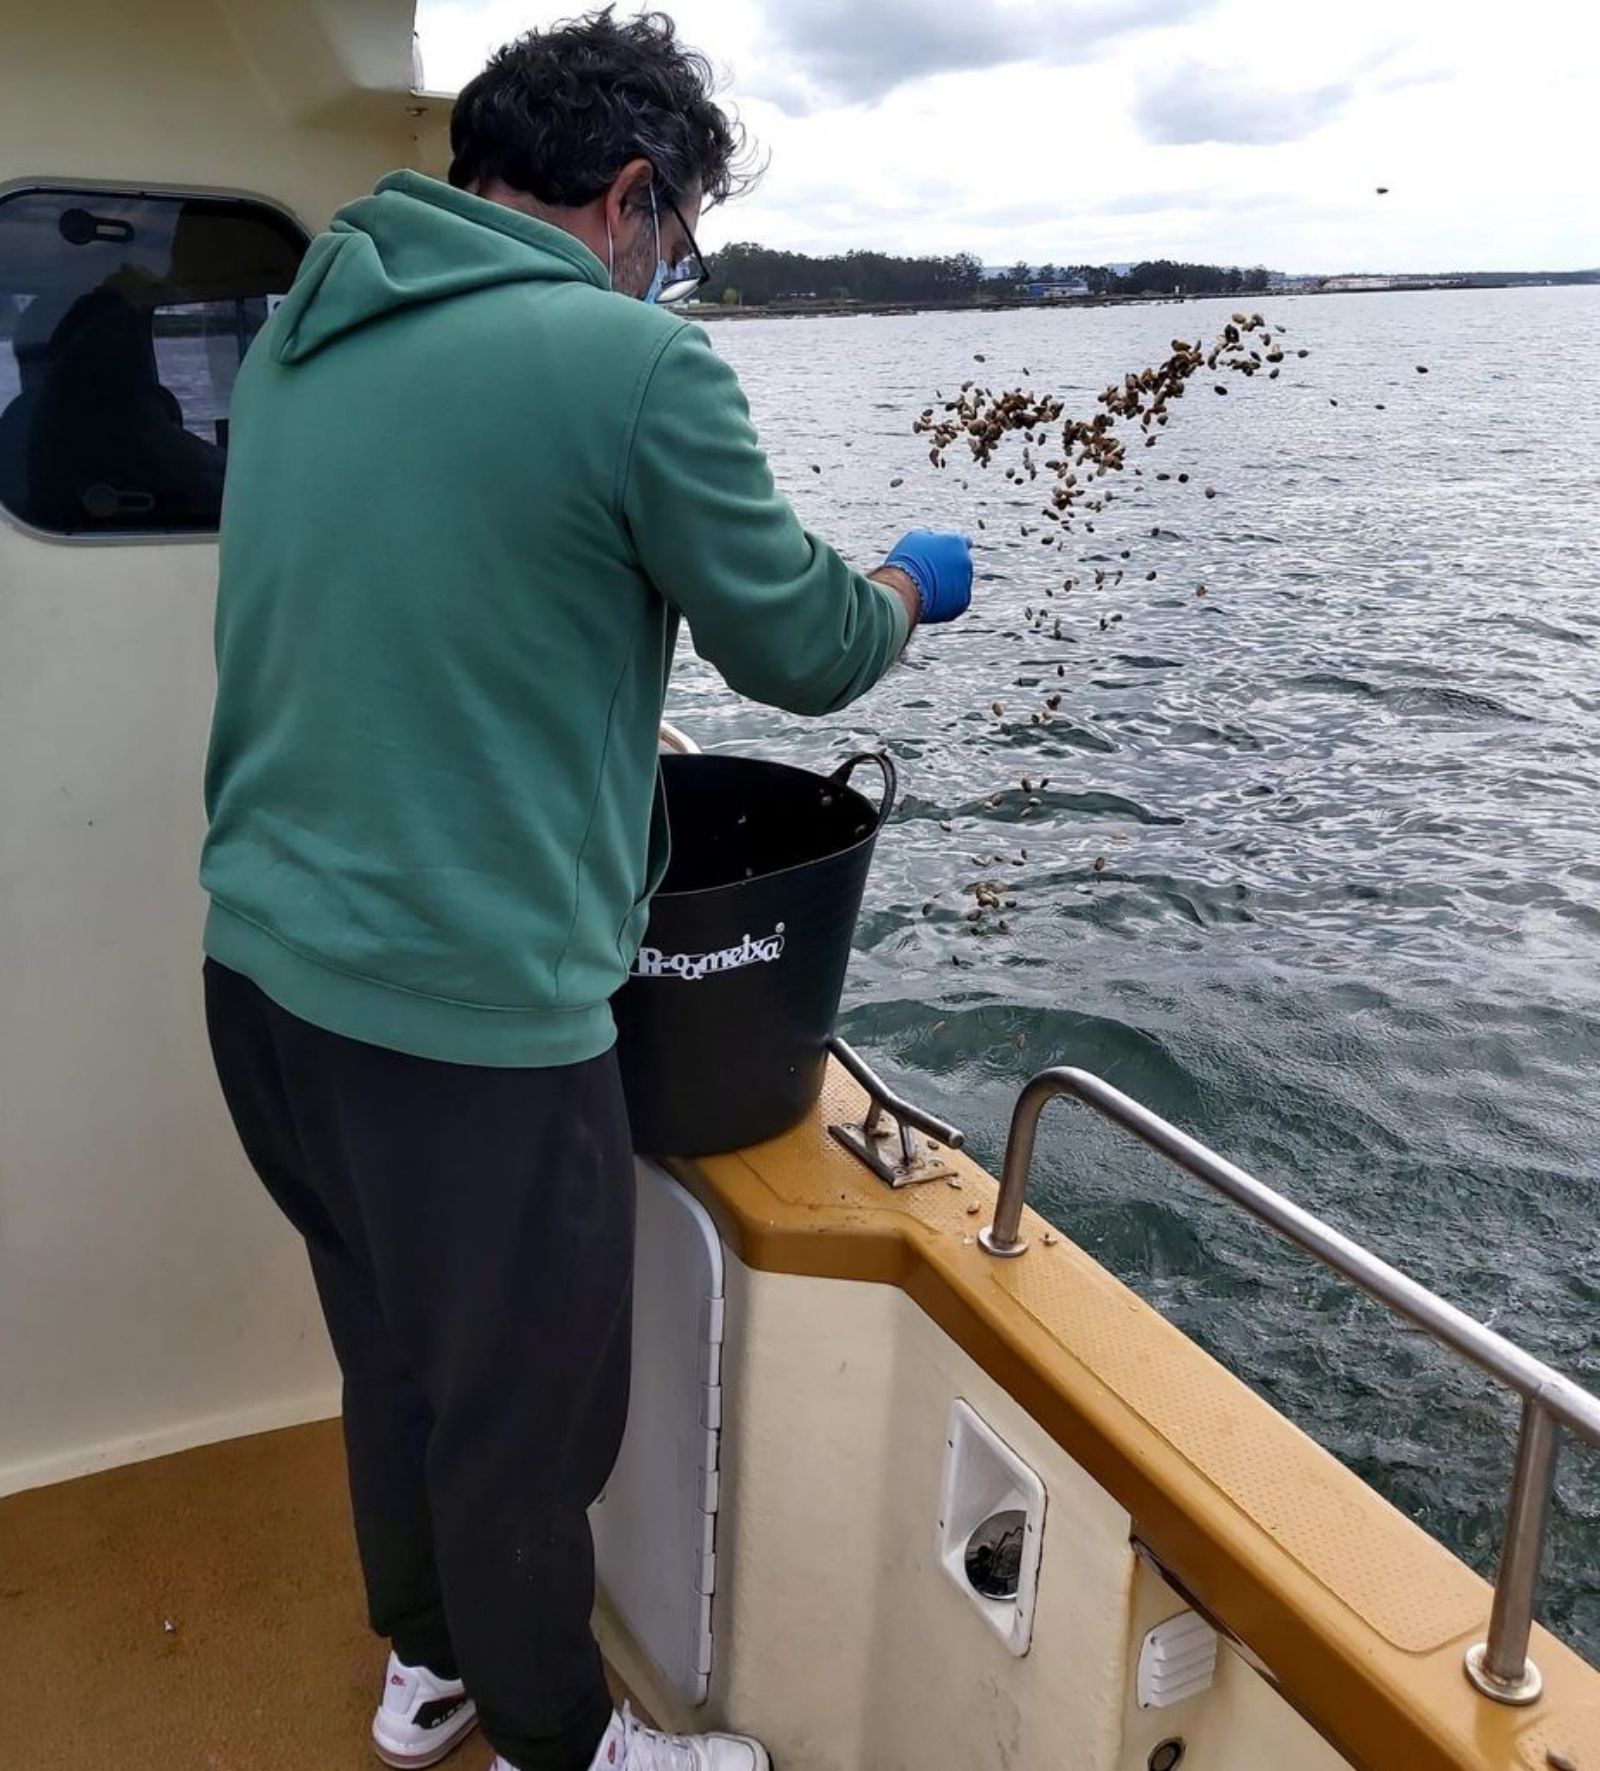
1077	131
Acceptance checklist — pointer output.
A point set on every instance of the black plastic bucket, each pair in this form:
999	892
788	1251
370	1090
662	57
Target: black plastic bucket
723	1025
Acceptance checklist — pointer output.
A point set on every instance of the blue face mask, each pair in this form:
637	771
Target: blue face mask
660	277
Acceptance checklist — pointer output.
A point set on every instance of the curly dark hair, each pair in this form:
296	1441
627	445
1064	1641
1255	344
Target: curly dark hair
559	113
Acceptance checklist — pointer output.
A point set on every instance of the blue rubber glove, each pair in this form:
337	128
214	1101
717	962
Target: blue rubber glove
939	563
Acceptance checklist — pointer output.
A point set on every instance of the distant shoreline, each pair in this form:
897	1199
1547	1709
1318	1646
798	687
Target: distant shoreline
835	310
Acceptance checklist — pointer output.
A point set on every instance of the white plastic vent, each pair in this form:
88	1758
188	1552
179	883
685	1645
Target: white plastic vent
1177	1659
987	1484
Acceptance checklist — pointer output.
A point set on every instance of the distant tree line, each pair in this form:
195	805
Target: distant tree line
1152	276
758	275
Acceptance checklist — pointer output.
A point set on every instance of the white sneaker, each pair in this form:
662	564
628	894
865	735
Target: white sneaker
627	1745
421	1719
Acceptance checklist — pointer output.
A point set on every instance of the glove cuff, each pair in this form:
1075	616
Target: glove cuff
913	570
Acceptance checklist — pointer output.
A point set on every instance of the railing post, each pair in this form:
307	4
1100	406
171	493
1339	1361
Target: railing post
1004	1236
1500	1667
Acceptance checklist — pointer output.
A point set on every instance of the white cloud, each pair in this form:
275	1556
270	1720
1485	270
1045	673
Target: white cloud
1196	103
902	132
847	52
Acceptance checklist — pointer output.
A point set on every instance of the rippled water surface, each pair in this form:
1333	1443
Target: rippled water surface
1348	925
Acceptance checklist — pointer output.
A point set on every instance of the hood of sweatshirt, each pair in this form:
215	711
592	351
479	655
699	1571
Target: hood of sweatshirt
416	239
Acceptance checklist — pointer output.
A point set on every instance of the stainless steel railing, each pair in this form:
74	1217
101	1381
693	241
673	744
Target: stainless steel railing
886	1139
675	738
1498	1666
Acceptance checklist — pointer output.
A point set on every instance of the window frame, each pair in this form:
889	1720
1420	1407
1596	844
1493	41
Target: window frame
102	187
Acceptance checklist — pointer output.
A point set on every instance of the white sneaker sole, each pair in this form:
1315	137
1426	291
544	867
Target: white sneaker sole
437	1748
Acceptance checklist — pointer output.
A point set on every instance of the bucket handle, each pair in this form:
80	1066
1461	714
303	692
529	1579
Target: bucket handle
841	776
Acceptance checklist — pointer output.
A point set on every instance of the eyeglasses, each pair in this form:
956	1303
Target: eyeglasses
689	273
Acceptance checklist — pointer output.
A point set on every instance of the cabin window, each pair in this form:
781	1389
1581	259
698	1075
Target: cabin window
123	320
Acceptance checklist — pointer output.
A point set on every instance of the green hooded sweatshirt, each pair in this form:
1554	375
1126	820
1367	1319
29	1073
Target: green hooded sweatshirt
470	492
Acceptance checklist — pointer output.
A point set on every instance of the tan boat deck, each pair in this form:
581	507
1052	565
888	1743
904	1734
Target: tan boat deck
195	1613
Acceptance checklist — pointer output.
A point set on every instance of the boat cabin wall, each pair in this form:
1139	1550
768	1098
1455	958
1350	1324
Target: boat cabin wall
306	104
149	1297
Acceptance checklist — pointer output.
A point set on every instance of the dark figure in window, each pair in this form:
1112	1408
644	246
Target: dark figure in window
102	444
30	345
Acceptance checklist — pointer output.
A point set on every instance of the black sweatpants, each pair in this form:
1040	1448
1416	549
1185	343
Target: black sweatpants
471	1236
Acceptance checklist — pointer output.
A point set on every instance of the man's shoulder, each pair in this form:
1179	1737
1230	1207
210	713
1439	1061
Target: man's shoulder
573	328
636	327
643	324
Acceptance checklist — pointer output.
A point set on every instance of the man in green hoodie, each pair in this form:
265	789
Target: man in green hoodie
473	486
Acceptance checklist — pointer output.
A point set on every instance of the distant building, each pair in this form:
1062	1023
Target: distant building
1399	280
1066	291
1361	281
